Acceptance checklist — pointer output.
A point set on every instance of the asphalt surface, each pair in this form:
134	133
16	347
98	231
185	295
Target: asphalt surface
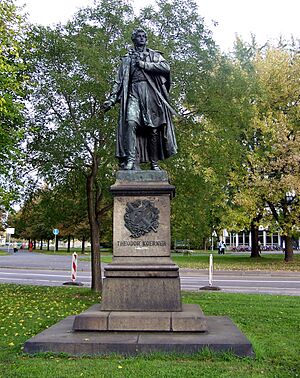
53	270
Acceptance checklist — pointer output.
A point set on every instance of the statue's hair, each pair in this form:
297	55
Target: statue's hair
136	31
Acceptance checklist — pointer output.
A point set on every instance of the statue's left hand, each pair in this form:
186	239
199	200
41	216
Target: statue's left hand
140	64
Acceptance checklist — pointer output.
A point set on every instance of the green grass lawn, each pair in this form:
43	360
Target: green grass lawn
270	322
64	251
268	262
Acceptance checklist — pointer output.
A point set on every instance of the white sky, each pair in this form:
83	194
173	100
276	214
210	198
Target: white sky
266	19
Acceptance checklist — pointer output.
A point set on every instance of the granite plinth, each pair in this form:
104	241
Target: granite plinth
154	243
142	176
141	276
137	270
141	260
141	294
141	288
142	183
190	319
222	336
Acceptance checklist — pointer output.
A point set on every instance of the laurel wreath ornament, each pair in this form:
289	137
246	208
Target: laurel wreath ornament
141	217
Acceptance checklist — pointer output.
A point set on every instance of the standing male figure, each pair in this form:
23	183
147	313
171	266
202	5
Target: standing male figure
145	129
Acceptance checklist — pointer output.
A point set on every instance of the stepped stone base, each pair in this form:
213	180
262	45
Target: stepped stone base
221	336
191	319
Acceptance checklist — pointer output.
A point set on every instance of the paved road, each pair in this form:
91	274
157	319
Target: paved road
37	269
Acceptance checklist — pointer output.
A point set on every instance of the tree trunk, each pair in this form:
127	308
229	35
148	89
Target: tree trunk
83	245
255	250
48	244
41	245
288	249
69	243
95	232
34	244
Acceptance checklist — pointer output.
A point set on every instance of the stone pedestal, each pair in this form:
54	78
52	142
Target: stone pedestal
142	276
141	309
141	288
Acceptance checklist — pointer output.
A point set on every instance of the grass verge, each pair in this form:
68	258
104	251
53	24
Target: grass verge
267	262
199	260
270	322
65	252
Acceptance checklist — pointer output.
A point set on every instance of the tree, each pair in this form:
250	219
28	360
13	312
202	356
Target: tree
62	207
13	79
270	165
215	143
32	222
275	161
70	133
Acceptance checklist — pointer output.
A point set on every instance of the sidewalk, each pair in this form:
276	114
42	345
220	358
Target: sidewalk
32	260
249	273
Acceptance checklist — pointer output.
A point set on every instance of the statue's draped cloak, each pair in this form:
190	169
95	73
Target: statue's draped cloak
157	74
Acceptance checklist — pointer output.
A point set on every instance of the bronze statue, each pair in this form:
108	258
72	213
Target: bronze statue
145	129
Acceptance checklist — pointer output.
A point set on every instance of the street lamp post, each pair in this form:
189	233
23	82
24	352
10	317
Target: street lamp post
290	197
288	241
10	231
213	235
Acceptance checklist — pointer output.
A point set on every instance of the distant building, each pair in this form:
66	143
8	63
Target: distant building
2	237
268	240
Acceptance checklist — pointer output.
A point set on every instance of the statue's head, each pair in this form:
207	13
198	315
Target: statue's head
139	37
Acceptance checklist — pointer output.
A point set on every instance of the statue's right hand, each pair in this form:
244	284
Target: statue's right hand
107	105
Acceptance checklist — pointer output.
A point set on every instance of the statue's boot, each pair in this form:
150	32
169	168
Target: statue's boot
130	165
155	166
154	150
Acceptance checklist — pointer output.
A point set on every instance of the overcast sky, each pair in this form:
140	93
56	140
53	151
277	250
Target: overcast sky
267	19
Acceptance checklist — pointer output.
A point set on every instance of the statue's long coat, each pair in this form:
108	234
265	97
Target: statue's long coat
157	73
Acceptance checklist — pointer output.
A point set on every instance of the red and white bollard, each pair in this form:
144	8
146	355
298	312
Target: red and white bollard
74	267
210	276
74	272
210	270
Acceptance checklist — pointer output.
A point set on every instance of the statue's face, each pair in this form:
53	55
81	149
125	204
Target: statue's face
140	39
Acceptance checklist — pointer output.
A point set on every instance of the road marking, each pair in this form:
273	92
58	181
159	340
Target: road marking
187	283
186	279
248	287
38	274
28	279
258	281
196	287
40	280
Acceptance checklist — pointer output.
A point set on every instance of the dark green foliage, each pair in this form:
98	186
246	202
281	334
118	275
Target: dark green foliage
15	51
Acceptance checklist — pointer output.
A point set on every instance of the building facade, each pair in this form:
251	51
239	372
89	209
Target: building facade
268	241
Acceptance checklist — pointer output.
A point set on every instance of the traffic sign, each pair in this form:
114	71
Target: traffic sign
55	231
